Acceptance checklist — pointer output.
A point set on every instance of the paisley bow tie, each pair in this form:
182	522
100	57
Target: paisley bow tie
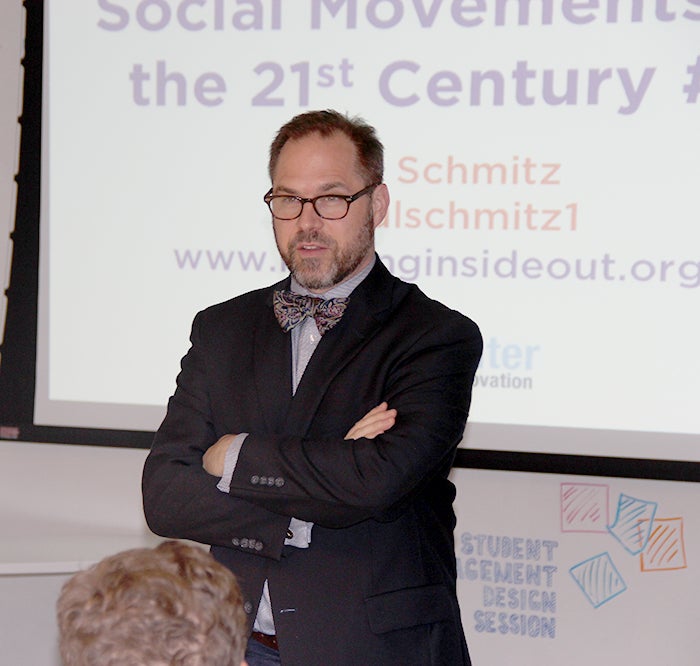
291	309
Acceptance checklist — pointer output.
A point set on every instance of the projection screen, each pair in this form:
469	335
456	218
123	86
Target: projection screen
543	160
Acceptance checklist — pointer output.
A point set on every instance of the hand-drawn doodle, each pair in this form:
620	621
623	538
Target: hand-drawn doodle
584	507
665	550
633	523
598	579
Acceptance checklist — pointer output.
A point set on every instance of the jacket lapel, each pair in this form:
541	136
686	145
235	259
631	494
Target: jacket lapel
272	352
370	305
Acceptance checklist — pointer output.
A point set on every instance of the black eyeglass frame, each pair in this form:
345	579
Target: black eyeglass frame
268	198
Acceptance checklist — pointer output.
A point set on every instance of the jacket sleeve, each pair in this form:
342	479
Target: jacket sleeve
335	482
180	499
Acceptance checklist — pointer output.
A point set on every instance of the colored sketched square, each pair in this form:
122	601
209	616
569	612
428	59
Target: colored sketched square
584	507
665	549
598	579
633	523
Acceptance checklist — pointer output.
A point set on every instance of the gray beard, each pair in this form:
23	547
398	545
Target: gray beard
307	271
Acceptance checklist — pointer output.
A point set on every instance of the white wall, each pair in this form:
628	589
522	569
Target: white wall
61	508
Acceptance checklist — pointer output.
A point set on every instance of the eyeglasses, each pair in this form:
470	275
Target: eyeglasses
327	206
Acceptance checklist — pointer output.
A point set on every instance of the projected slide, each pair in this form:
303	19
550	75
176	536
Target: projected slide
543	160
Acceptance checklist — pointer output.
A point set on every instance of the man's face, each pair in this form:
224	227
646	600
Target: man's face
322	253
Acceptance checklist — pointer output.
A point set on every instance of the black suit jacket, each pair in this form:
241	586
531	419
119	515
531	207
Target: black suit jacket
377	584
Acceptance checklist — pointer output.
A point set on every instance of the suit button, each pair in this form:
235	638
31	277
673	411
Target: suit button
279	481
236	541
248	607
244	543
258	545
255	480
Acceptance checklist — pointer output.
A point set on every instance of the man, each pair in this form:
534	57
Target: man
172	605
324	486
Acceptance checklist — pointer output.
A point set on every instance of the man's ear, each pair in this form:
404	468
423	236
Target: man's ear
380	204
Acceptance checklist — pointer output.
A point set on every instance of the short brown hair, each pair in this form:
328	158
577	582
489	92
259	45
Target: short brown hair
370	151
173	604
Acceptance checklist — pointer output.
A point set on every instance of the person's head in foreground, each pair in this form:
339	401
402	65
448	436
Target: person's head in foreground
171	605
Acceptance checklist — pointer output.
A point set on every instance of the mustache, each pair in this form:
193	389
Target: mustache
311	237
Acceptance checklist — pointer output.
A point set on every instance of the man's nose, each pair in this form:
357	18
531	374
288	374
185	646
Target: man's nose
309	218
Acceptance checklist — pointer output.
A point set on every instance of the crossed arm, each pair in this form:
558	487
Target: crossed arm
426	379
373	423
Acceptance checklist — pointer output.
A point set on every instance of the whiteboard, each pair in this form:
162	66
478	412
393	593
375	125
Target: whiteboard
574	570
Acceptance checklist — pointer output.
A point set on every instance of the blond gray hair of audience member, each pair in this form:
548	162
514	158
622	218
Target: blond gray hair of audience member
173	604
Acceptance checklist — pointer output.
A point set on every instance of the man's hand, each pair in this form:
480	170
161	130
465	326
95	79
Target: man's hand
213	460
373	423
